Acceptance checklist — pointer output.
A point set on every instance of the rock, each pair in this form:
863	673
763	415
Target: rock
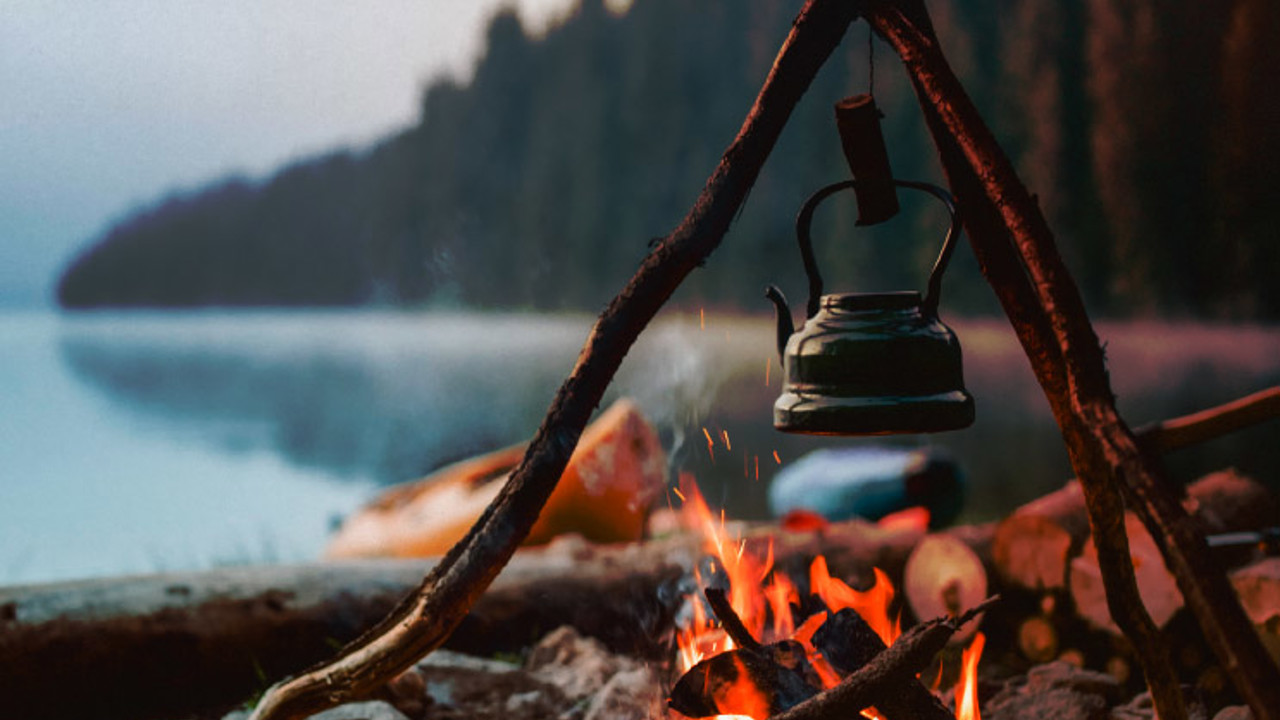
1139	708
1055	691
469	691
461	661
576	665
408	693
372	710
628	695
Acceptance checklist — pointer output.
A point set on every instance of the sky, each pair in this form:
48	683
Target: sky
109	105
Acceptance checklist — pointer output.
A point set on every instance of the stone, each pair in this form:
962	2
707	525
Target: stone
577	665
1055	691
371	710
629	695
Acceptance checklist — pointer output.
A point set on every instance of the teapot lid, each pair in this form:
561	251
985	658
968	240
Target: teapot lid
896	300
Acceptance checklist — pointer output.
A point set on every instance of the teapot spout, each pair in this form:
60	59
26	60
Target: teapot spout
785	326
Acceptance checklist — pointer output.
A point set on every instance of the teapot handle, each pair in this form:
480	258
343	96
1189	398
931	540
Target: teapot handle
929	307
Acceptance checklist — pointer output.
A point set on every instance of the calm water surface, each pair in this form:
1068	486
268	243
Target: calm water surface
144	442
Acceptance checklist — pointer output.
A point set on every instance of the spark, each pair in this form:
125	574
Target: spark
776	458
725	434
679	494
768	363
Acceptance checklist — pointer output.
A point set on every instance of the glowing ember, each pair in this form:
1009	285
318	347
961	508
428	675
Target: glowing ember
967	688
741	697
912	518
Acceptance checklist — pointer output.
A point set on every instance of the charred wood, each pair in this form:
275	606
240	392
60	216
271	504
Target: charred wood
898	664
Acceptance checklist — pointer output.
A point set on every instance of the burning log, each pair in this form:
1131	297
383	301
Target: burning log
898	664
761	681
849	644
755	680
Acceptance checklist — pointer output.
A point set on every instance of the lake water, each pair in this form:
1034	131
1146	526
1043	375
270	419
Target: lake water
152	441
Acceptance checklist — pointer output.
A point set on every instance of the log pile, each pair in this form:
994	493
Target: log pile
178	644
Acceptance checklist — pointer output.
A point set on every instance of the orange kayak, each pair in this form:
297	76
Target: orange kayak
604	495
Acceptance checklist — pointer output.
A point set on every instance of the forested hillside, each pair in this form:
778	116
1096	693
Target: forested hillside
1148	128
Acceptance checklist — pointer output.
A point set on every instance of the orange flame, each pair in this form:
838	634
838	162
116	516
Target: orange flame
872	605
967	688
742	697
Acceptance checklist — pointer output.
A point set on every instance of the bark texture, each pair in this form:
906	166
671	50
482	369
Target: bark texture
1018	256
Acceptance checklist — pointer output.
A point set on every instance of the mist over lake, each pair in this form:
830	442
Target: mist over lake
136	442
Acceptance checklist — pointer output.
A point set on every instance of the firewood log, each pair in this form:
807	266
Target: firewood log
1038	639
944	576
1033	547
1258	586
170	645
1221	502
1156	585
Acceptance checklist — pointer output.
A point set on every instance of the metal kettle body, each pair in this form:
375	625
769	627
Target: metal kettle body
870	363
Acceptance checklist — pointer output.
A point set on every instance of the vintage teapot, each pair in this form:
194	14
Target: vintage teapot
870	363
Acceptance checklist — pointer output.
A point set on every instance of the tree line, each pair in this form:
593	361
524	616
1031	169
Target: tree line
1146	127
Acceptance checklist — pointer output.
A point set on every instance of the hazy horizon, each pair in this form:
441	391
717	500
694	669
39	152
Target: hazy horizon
114	105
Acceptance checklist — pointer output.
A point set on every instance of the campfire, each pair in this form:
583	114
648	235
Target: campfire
702	617
757	643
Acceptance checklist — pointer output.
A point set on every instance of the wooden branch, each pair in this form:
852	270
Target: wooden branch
900	663
848	643
980	192
424	620
1019	258
729	620
1211	422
